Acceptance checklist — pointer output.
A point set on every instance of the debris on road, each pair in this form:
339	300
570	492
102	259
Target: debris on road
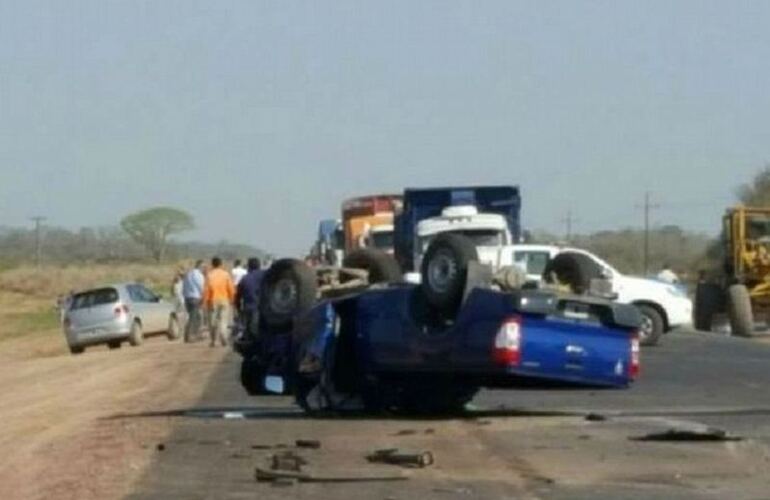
288	461
308	443
394	456
595	417
160	447
281	477
709	434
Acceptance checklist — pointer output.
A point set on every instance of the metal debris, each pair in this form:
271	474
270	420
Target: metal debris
708	434
394	456
308	443
283	477
287	461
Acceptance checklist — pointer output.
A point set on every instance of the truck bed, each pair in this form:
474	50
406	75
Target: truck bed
567	339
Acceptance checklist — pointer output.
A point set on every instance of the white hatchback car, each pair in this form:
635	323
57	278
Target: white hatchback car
116	313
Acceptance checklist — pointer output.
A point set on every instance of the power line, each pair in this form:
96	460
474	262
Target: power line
38	238
648	206
568	221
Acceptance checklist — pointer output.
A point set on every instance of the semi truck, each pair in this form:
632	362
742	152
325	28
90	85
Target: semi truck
367	222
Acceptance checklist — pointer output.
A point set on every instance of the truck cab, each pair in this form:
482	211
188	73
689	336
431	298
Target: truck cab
489	232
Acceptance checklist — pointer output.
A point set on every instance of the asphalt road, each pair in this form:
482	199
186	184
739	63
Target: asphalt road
531	443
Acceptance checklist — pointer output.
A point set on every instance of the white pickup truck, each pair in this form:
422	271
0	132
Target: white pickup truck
663	306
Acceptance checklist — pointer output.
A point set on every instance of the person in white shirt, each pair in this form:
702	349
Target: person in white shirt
666	275
238	272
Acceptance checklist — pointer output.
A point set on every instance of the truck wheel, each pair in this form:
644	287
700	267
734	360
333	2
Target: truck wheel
652	325
289	290
136	337
445	270
76	349
252	376
382	268
573	269
739	311
708	299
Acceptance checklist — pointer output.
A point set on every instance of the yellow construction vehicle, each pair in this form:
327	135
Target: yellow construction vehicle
743	289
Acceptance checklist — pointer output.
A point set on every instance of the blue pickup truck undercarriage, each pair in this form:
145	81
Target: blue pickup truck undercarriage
431	347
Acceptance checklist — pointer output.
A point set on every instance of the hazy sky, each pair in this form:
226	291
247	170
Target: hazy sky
260	117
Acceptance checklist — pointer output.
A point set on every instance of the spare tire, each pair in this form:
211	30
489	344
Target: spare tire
382	268
289	290
445	271
573	269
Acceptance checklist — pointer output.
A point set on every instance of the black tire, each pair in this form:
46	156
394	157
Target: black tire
709	298
382	267
174	330
652	325
252	376
114	344
289	290
739	311
445	271
76	349
573	269
136	337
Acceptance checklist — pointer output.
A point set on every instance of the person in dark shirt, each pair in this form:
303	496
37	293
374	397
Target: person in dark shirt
247	298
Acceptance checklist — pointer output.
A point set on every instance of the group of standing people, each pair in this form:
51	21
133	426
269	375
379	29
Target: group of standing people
217	298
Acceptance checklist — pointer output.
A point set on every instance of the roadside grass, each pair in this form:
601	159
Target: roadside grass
19	324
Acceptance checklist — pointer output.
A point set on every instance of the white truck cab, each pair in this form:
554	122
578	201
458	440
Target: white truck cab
489	232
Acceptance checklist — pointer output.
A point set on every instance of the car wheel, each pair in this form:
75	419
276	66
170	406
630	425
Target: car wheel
136	337
652	325
76	349
289	289
572	269
382	268
445	271
174	330
114	344
253	376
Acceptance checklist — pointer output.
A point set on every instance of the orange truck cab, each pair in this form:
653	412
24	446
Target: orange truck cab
367	221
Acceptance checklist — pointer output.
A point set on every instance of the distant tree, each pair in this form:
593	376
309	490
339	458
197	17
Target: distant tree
757	192
151	228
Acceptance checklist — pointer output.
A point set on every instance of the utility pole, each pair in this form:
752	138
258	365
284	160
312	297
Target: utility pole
648	206
568	221
38	238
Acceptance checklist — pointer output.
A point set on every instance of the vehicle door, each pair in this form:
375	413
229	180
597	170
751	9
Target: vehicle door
157	310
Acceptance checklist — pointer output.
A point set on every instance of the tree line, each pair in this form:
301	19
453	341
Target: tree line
140	236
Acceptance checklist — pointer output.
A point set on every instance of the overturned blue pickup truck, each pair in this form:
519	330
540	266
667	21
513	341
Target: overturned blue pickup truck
430	347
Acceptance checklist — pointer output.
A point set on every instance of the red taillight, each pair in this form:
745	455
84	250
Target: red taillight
121	310
507	350
634	367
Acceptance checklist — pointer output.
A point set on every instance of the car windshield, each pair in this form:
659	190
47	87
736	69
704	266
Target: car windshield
533	262
480	237
94	298
758	228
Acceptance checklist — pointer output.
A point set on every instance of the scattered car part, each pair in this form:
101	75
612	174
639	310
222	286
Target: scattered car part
393	456
696	435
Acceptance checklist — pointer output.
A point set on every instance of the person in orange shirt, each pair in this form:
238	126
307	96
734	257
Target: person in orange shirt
218	297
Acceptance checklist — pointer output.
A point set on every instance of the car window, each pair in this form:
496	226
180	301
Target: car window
533	261
93	298
142	294
135	293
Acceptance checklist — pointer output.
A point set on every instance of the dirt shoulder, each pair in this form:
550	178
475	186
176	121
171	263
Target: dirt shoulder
57	441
